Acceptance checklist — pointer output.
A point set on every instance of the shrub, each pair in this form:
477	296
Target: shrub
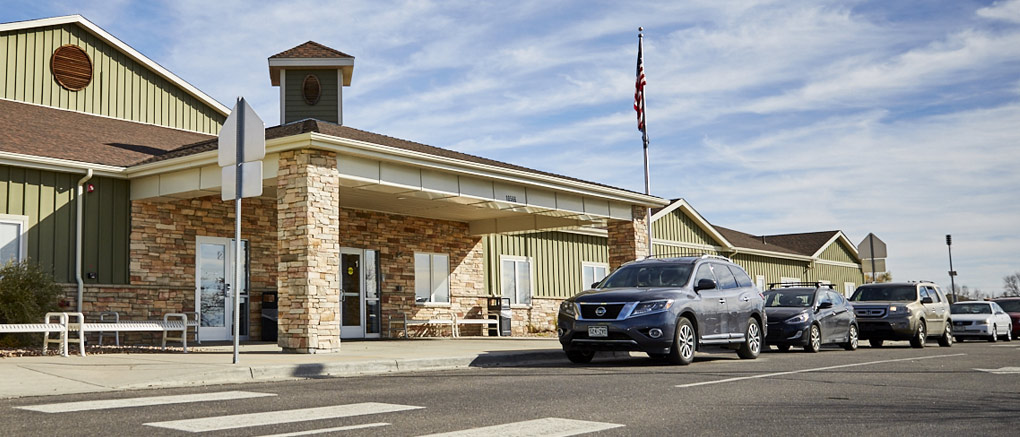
27	293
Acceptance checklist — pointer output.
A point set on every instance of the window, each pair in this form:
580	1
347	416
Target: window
592	273
704	272
761	282
13	238
934	296
848	289
787	280
515	279
726	279
742	279
431	278
924	293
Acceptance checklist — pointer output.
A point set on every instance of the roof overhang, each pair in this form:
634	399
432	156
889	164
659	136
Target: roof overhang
277	64
124	48
59	165
689	211
840	236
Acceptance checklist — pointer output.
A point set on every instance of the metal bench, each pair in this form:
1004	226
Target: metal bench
171	323
471	321
436	320
191	322
61	327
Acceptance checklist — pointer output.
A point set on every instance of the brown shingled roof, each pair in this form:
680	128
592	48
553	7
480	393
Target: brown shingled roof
311	49
336	130
798	244
55	133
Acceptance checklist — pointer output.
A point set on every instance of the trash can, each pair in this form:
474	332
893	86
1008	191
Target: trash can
500	307
269	315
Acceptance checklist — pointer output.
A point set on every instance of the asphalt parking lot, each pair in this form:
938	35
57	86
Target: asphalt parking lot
970	389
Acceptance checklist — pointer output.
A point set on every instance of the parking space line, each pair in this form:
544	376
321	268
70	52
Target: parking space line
67	407
325	430
818	369
218	423
548	427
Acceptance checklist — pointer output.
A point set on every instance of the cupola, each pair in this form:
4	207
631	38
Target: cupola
311	78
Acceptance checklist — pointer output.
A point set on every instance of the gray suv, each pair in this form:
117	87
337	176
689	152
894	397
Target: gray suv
667	308
914	311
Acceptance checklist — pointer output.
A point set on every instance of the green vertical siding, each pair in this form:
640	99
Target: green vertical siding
662	250
556	260
677	226
325	109
48	200
120	87
838	251
774	269
837	275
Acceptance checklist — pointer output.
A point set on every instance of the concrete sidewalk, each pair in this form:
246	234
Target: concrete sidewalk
205	365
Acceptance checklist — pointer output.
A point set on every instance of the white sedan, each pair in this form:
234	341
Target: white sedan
980	320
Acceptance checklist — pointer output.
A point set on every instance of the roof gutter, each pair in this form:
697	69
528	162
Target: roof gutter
77	239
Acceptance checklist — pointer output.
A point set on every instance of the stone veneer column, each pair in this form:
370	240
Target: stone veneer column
628	240
308	209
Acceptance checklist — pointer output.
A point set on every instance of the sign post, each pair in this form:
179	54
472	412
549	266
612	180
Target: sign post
875	250
242	145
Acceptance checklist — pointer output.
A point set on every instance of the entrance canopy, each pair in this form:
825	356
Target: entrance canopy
386	174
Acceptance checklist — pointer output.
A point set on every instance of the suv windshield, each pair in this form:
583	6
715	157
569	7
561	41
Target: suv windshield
789	298
970	308
649	275
885	293
1009	306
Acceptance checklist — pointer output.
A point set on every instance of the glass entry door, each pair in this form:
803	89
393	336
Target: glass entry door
359	293
214	288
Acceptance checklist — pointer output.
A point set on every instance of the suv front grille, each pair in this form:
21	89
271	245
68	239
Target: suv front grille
869	312
590	311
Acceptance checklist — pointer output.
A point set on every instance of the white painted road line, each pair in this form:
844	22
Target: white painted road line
819	369
325	430
549	427
1001	370
67	407
277	417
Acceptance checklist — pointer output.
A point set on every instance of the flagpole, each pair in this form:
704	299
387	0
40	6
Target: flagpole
644	141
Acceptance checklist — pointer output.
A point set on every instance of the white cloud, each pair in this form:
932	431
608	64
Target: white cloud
1003	10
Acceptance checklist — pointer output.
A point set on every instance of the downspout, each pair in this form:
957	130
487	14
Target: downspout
77	240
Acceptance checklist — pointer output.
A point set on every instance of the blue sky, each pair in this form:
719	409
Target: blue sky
899	118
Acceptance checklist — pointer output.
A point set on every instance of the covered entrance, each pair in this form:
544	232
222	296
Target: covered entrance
214	285
360	310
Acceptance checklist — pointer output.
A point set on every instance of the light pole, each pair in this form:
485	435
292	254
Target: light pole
952	273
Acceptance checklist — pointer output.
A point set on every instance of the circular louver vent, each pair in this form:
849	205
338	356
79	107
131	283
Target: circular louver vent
311	89
71	67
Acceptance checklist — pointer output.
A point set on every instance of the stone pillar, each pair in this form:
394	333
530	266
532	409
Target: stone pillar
308	222
628	240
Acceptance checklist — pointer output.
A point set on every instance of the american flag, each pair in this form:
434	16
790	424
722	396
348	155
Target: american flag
639	90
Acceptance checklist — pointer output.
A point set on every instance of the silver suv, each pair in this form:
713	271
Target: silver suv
912	311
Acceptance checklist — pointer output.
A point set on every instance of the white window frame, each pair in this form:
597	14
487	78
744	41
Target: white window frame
761	282
515	300
593	265
433	285
22	221
848	289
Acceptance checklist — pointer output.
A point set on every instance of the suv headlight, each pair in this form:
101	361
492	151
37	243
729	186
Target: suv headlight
899	309
799	318
653	306
568	309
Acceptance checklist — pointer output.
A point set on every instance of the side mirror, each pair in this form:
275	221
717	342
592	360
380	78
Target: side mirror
825	305
927	300
705	284
595	284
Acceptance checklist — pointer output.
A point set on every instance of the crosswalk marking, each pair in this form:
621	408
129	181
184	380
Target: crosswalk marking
278	417
325	430
66	407
1001	370
550	427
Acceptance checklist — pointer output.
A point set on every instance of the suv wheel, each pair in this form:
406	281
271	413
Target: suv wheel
684	343
851	339
580	357
1009	334
946	340
995	334
751	346
876	342
814	340
921	336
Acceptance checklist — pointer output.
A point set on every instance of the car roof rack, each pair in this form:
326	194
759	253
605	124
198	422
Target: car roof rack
707	256
799	284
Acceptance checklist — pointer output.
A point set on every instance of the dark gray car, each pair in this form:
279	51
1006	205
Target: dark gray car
667	308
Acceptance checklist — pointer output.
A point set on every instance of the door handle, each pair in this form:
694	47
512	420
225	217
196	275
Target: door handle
722	300
745	299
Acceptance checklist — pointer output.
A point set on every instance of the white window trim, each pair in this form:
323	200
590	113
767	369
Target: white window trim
449	290
591	264
531	276
848	292
23	221
761	282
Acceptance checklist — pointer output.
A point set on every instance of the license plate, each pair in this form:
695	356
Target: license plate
598	331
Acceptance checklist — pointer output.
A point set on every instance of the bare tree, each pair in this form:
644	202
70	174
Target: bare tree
1011	285
882	277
